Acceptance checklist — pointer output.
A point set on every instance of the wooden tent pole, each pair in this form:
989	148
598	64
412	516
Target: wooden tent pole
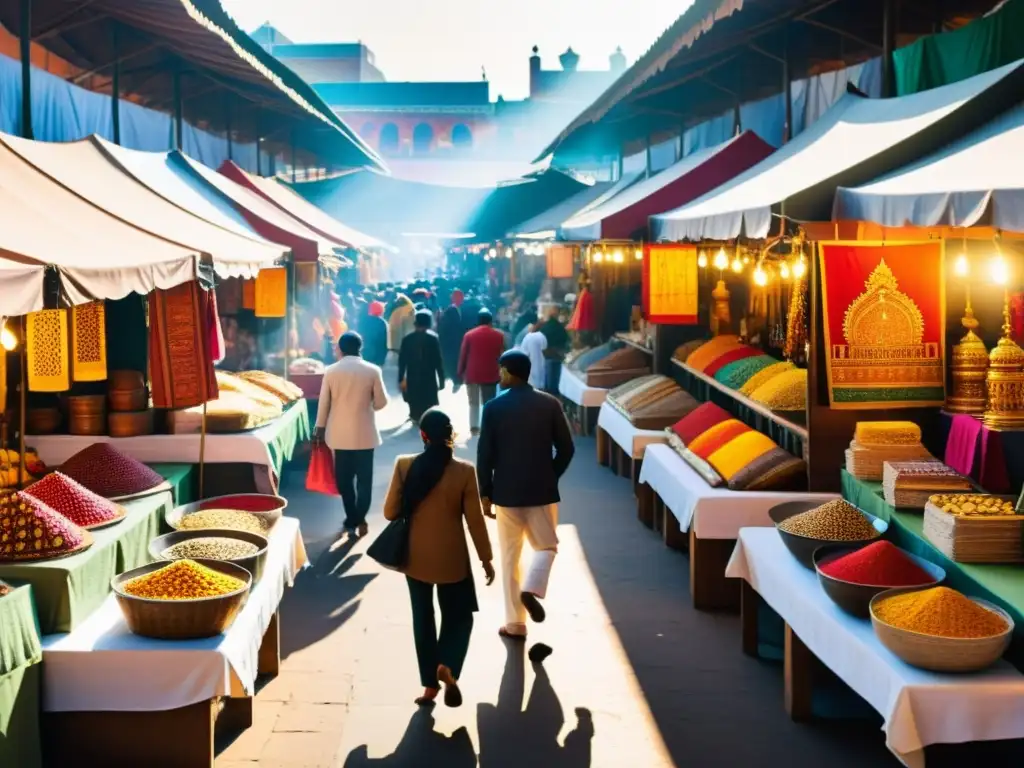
22	474
202	453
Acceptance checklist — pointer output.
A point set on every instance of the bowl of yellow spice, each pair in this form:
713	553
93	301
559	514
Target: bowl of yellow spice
182	600
940	629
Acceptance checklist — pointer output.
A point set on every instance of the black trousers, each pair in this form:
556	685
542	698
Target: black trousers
458	604
353	471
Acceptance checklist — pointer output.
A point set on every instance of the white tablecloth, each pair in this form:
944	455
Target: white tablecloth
715	513
573	389
102	667
625	435
919	707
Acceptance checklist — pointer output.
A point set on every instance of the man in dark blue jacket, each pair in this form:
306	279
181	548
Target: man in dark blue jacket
525	447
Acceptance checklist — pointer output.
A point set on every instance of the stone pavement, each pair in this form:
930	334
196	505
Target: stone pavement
637	678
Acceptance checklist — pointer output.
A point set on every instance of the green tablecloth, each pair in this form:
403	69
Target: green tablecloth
1000	584
184	480
69	589
288	432
20	681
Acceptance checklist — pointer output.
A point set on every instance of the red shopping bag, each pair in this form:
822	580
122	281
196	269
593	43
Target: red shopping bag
320	477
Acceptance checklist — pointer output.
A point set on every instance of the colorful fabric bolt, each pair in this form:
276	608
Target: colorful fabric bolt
736	374
732	356
707	353
718	436
699	421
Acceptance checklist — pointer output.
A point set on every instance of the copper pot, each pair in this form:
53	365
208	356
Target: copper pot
42	421
128	400
130	424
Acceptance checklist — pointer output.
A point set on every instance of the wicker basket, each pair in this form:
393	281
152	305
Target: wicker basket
128	400
181	619
975	539
254	564
942	654
130	424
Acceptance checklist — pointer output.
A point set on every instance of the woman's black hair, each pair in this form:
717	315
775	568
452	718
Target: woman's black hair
428	468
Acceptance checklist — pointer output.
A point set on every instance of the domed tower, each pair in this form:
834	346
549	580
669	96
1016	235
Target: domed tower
570	60
617	61
1005	380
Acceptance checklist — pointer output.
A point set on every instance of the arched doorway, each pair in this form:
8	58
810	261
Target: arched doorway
422	139
388	139
462	137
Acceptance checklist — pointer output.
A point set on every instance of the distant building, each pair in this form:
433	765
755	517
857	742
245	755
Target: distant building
455	120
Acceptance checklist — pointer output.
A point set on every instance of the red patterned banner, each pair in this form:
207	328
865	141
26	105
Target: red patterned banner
670	284
885	317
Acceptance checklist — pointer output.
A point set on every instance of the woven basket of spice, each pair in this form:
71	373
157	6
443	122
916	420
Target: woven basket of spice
182	600
807	525
940	629
975	528
243	548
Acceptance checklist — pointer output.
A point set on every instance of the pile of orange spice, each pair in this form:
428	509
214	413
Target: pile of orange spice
939	611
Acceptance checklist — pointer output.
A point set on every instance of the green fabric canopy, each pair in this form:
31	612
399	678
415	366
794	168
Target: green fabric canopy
984	44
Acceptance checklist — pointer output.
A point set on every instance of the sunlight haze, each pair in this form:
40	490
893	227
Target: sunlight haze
451	40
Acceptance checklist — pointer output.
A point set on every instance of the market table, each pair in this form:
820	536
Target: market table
580	397
1000	584
919	708
20	681
676	500
122	699
267	448
68	590
620	445
183	479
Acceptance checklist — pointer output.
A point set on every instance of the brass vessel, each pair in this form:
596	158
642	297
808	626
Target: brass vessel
969	370
720	318
1005	381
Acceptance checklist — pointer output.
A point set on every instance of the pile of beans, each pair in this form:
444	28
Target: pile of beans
231	519
210	548
833	521
182	580
939	611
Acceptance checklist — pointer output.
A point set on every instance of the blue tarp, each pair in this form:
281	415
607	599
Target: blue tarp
62	111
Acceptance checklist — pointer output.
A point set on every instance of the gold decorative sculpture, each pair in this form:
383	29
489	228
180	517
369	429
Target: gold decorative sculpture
1005	380
884	332
720	318
970	361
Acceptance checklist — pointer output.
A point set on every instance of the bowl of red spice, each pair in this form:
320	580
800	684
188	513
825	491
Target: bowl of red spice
852	575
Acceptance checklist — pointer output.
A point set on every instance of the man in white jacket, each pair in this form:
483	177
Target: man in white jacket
352	391
534	344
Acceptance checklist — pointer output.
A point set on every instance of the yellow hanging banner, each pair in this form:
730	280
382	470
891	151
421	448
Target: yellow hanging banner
248	294
272	292
89	342
49	363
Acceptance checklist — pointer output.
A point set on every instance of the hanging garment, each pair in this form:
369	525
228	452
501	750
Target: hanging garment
181	364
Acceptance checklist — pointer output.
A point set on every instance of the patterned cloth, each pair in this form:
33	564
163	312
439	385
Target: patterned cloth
179	339
89	342
49	364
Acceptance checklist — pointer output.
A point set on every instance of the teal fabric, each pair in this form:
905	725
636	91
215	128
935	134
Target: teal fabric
982	45
183	479
1000	584
735	375
68	590
288	433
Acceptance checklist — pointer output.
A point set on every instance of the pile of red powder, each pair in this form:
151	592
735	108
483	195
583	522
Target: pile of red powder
880	564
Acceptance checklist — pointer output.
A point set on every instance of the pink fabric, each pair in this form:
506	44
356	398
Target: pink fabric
962	445
218	349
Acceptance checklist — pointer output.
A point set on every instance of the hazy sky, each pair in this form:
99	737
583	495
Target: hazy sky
453	39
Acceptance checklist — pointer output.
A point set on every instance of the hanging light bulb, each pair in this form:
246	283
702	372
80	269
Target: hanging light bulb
702	260
721	260
800	269
638	254
617	257
962	267
7	339
508	253
760	276
492	254
1000	271
598	257
737	265
746	258
784	271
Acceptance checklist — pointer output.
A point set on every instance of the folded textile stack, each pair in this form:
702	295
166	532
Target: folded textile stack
617	367
876	442
909	484
285	391
651	402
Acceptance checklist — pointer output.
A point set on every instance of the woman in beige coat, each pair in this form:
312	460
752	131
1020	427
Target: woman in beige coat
437	492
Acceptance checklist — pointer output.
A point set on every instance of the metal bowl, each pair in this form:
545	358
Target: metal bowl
181	619
803	547
854	598
265	506
254	564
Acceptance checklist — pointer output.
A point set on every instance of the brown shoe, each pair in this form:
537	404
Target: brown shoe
452	694
363	530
